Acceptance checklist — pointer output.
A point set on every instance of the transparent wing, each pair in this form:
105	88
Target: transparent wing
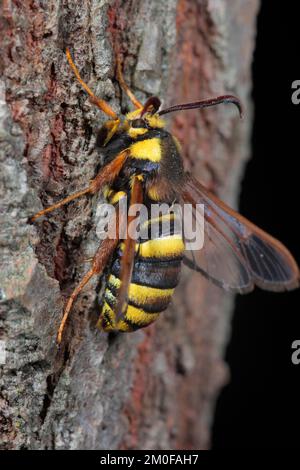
236	254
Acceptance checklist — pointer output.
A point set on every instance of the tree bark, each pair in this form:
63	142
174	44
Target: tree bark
156	388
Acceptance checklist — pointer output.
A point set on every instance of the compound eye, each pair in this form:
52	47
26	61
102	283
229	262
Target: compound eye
138	123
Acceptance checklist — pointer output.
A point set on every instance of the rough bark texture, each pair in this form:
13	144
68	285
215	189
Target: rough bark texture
155	388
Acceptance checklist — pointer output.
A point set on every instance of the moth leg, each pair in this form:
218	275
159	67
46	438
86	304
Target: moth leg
105	176
127	259
101	104
125	87
60	203
100	260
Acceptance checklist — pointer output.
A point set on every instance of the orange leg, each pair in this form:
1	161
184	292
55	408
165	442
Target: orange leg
100	260
60	203
105	176
125	87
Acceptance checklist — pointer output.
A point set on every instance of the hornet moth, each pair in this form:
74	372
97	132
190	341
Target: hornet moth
143	162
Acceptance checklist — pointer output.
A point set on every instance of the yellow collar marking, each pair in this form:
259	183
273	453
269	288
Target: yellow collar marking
148	149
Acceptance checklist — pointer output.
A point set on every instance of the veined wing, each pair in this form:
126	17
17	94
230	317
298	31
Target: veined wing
236	254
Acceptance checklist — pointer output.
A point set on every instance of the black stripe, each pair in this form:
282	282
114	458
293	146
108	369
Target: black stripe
112	288
158	307
158	273
133	326
150	259
163	274
105	320
159	133
154	261
158	228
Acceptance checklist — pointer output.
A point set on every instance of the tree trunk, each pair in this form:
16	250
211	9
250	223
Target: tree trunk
155	388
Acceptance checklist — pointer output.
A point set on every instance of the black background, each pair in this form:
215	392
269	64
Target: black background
260	408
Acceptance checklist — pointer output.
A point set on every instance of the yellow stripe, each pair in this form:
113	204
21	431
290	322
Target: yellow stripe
171	246
133	114
140	293
110	296
122	246
115	281
106	308
107	311
154	194
148	149
122	326
155	121
164	247
135	315
143	295
135	132
114	197
139	317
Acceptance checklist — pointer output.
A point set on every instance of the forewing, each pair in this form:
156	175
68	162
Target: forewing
237	254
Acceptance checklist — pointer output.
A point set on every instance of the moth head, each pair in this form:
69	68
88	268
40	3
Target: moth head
144	119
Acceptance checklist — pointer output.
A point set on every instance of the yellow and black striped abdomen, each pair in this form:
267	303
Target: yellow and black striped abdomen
155	275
